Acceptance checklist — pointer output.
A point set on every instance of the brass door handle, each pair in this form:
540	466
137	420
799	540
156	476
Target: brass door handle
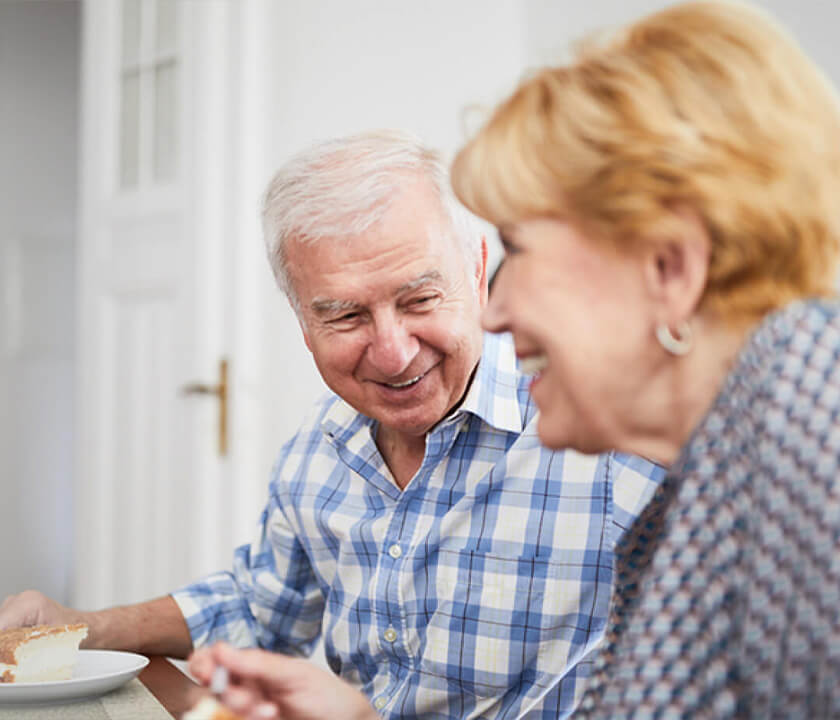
220	391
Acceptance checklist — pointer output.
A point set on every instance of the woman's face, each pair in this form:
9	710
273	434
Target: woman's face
581	314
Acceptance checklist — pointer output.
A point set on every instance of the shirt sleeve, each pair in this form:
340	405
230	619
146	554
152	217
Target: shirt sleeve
270	599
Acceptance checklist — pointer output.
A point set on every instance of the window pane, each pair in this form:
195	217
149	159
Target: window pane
166	29
165	131
129	129
130	32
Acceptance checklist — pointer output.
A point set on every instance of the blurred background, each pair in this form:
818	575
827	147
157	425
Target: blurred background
138	315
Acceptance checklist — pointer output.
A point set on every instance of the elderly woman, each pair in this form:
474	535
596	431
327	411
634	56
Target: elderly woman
670	207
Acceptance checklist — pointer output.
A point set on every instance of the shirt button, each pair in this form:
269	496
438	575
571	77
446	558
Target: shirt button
390	634
380	703
395	551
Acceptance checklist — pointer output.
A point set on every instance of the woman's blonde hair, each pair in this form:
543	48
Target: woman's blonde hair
708	105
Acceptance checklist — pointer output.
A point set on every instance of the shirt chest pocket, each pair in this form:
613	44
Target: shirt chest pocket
498	619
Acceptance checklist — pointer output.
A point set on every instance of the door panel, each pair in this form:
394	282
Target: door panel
152	300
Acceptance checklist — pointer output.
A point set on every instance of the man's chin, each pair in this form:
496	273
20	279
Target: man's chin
409	424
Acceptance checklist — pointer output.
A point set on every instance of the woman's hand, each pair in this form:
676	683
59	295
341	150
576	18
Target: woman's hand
263	685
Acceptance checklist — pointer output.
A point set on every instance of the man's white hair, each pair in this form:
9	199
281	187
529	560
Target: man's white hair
342	187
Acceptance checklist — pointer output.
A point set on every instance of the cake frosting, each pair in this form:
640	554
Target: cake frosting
40	653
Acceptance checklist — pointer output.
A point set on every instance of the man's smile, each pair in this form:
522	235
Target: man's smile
404	388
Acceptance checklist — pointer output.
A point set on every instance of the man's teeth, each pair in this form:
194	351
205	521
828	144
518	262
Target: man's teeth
533	364
404	384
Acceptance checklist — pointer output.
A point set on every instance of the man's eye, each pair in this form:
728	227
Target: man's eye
422	303
345	319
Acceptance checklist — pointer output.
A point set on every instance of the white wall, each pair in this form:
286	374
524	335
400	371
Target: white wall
38	89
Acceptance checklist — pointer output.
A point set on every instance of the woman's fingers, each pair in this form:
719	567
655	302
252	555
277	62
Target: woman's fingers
201	665
264	711
258	666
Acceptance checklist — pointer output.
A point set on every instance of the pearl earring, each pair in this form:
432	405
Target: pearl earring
678	344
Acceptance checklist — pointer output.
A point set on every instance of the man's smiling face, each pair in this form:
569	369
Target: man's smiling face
392	318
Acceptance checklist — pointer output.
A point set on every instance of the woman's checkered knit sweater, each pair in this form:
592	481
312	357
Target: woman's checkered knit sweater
727	596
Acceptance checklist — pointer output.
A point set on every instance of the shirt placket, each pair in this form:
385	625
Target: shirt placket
395	635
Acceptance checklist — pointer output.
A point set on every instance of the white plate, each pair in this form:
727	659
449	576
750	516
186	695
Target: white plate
96	673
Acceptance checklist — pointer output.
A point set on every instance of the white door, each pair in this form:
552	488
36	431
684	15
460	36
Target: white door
152	487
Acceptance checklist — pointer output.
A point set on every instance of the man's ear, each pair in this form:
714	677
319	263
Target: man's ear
481	273
305	333
677	266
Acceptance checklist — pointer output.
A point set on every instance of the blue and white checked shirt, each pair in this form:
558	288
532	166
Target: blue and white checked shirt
478	591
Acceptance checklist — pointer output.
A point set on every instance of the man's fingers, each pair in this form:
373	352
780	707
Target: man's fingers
22	609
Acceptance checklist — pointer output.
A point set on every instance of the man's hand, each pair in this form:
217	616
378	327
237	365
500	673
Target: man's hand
34	608
155	627
263	685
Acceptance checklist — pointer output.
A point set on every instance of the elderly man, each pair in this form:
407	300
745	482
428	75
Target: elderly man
453	566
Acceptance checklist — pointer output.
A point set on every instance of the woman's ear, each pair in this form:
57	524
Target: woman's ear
677	266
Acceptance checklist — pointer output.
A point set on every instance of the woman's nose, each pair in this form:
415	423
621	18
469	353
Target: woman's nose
494	317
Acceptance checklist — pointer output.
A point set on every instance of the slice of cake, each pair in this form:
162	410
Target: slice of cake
41	653
208	708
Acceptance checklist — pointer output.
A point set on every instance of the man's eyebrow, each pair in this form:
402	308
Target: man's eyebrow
327	306
427	278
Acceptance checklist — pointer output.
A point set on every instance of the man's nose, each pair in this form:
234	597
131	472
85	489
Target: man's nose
393	347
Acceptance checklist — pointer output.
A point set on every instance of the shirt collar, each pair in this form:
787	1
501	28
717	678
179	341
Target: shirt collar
493	395
494	392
